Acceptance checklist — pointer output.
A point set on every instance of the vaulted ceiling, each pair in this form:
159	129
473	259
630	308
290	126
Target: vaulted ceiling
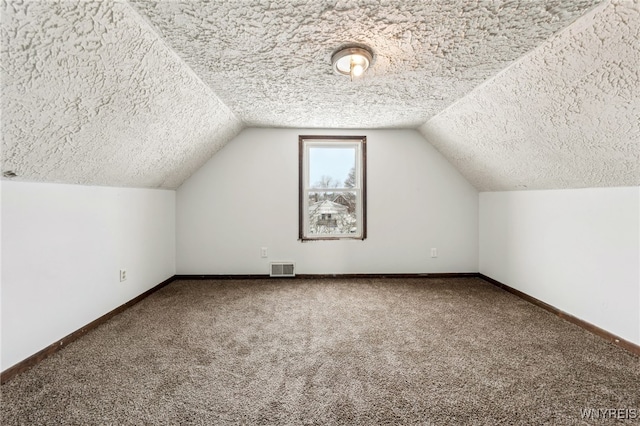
566	115
518	94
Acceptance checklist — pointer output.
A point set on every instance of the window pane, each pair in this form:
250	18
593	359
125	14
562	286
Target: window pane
333	187
331	167
332	212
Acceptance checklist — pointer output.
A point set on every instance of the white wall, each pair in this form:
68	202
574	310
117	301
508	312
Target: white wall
62	249
246	197
578	250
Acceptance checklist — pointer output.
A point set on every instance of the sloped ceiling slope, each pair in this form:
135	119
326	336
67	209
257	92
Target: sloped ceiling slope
91	95
142	93
566	115
269	61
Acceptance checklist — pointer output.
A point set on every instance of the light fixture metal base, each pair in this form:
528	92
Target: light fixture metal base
351	60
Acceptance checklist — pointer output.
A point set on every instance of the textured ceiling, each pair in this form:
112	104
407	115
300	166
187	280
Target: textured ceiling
269	61
567	115
91	95
142	93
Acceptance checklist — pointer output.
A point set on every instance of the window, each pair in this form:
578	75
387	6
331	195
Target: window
332	187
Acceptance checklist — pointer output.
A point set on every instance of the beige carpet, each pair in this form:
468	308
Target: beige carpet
413	351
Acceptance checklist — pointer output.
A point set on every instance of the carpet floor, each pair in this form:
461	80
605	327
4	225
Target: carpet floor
358	351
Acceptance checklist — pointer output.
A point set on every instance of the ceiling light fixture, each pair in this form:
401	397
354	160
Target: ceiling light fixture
352	61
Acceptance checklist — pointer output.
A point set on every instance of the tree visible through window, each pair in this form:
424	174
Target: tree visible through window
332	187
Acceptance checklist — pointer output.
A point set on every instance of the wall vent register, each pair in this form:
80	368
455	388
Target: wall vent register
282	269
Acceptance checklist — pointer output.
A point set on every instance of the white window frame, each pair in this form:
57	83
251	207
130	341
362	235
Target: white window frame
306	142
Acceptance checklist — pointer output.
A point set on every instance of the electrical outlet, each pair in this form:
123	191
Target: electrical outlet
264	252
123	275
434	252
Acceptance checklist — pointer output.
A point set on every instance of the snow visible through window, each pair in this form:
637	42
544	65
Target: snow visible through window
332	182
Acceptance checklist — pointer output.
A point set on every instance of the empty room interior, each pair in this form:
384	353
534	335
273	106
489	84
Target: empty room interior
320	212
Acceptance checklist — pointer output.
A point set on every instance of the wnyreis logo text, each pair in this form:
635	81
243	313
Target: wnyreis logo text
610	413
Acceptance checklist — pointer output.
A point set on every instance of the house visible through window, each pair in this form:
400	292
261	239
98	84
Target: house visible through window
332	187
